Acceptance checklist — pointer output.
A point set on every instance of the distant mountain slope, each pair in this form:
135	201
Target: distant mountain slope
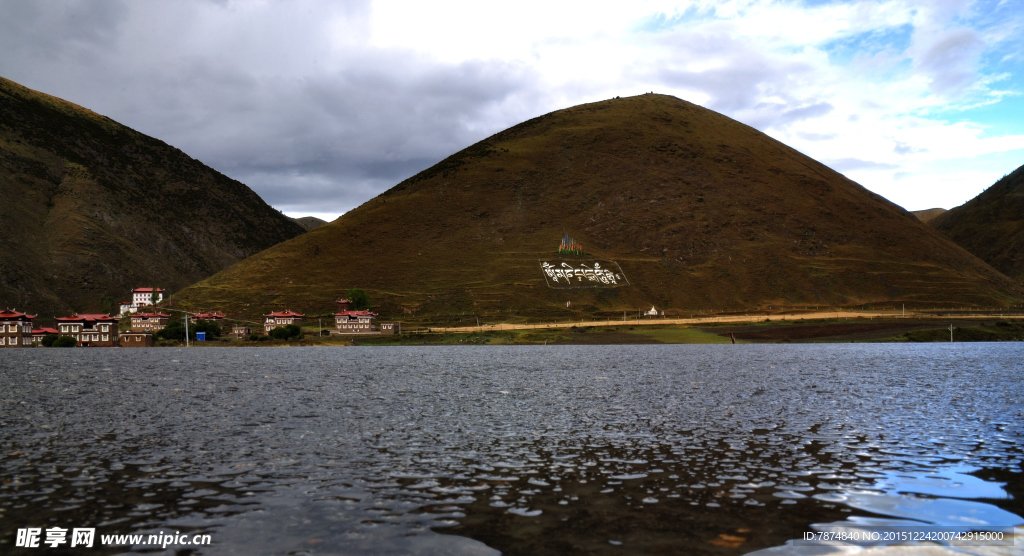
92	208
700	212
928	215
991	225
309	223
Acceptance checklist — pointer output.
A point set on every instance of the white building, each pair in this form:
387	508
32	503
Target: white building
141	297
278	319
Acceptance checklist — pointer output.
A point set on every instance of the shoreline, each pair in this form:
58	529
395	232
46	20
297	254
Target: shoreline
732	319
805	328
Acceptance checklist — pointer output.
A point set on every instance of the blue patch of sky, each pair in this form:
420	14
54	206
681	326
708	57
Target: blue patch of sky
989	13
843	50
664	22
816	3
997	119
1003	59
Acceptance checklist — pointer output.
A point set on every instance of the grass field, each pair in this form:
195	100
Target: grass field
685	336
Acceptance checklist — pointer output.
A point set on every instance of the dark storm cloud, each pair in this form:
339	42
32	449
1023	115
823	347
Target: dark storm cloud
310	121
52	30
340	138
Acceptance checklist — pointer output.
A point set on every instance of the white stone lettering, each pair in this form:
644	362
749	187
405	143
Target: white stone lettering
589	274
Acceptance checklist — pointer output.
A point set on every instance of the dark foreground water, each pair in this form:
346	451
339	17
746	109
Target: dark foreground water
526	450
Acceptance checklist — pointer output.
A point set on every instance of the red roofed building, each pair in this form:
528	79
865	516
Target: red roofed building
355	322
15	329
39	333
144	296
90	330
149	322
347	321
278	319
141	297
212	317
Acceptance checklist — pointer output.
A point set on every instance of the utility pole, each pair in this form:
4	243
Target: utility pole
185	315
951	333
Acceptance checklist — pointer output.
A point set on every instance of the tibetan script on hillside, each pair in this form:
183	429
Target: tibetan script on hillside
580	274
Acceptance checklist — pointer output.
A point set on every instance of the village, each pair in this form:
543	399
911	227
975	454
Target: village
145	325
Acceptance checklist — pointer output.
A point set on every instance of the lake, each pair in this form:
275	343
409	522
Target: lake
664	449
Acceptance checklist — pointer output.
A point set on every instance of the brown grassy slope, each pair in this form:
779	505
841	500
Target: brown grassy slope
309	223
93	208
702	213
991	225
928	215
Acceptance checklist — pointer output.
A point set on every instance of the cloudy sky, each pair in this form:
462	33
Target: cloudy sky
320	105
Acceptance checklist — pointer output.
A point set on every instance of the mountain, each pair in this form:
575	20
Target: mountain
928	215
991	225
309	223
92	209
697	212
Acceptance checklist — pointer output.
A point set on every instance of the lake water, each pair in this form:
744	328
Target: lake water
687	449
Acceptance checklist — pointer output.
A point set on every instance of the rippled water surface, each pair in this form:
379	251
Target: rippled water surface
520	449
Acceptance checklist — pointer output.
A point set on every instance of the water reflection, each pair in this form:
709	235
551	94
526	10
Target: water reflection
567	449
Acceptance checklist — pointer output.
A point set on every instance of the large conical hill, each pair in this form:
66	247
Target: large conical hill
92	209
991	225
700	213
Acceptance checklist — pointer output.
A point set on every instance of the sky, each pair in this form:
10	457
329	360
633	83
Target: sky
320	105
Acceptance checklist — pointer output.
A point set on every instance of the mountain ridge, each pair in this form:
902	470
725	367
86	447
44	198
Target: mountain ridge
702	213
97	209
309	223
927	215
991	225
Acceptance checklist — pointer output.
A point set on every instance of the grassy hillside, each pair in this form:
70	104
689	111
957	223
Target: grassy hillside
991	225
701	212
928	215
92	208
309	223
